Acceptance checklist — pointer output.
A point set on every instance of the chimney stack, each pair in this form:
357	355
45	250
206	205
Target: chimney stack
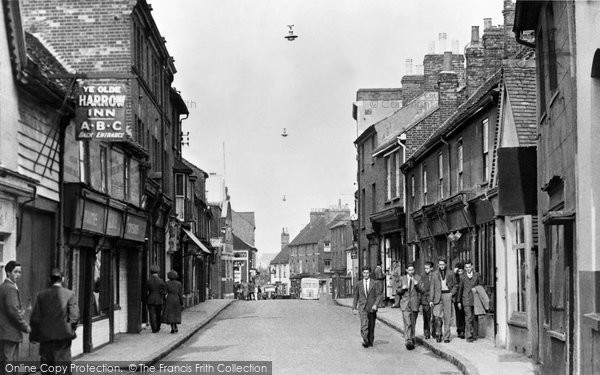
285	238
487	24
442	38
474	35
447	65
455	47
409	67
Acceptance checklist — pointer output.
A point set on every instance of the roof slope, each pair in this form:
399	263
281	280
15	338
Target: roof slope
283	257
520	83
239	244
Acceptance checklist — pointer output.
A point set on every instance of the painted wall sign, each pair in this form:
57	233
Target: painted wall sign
135	228
100	112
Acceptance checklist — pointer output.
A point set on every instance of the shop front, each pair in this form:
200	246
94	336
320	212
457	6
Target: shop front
105	241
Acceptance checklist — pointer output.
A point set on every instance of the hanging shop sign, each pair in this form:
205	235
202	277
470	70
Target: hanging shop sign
135	228
100	112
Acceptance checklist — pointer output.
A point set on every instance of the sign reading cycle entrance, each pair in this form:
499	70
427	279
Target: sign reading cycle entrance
101	112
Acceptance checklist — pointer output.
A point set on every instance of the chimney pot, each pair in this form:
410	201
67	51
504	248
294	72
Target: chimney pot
442	37
455	47
409	66
475	34
487	23
447	61
431	49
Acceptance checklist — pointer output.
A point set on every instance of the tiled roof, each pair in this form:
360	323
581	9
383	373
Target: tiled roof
520	83
239	244
43	62
455	120
311	233
283	257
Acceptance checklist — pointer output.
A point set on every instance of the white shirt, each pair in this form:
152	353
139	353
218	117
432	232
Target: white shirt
366	286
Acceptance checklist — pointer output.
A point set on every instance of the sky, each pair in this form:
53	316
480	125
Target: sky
244	83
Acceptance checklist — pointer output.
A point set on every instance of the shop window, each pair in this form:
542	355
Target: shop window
397	172
459	154
84	162
520	266
485	149
101	284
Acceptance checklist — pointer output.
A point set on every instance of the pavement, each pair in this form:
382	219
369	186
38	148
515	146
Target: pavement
479	357
147	348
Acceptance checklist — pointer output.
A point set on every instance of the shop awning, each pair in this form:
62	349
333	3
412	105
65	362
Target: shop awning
196	241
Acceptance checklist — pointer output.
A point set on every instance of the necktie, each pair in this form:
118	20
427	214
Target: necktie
409	284
366	287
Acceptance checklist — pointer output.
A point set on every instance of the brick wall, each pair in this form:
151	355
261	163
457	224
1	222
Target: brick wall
434	63
412	87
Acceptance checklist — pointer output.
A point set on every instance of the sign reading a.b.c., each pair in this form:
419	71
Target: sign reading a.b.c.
101	113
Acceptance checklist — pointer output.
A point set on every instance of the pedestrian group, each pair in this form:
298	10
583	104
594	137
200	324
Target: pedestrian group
436	293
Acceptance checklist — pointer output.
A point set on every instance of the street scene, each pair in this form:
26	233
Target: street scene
299	186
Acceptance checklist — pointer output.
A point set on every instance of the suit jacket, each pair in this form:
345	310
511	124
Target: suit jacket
396	275
156	290
481	301
425	287
465	294
435	288
410	299
365	301
12	316
55	315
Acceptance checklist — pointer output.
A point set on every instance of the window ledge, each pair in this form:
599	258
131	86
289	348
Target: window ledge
592	320
518	319
557	335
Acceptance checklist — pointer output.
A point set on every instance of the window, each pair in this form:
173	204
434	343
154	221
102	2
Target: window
412	186
84	160
362	157
363	205
441	175
100	300
397	171
2	255
424	184
126	177
388	180
557	265
551	31
103	169
485	149
519	249
459	152
179	185
327	247
327	265
373	199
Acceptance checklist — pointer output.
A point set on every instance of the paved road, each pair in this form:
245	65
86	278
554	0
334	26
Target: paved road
305	337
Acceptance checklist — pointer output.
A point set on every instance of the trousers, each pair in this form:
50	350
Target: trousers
155	312
367	326
442	313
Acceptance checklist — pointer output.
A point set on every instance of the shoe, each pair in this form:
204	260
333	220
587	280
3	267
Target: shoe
176	330
395	307
427	337
438	339
447	341
365	345
461	335
172	330
470	339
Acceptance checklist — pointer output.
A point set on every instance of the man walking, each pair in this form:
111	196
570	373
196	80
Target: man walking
425	287
12	320
468	281
396	275
409	303
379	277
459	269
156	290
367	295
54	321
441	289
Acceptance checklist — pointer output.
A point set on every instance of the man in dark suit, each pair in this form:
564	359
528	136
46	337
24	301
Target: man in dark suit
156	290
468	281
54	321
12	320
410	297
379	277
441	290
425	287
367	295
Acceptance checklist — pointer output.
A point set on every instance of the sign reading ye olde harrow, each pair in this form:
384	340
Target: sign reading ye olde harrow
101	113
